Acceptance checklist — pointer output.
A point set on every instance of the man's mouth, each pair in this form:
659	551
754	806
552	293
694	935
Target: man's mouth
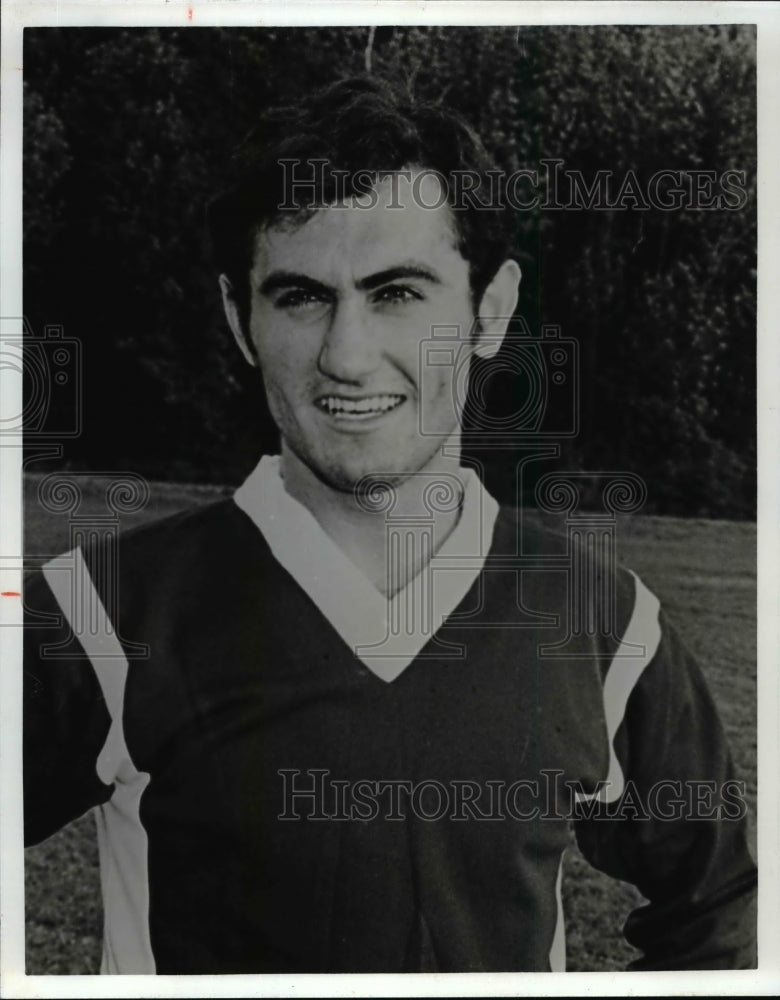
360	409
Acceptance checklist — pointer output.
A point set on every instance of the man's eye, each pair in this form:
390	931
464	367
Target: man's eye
298	298
397	294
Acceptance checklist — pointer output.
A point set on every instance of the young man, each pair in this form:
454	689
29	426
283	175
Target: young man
349	748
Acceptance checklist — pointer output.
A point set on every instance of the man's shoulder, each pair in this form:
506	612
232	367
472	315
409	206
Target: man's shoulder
194	520
200	540
526	530
559	557
529	531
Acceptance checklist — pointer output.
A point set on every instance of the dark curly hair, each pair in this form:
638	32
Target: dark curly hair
357	125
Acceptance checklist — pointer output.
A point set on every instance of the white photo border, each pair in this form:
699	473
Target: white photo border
18	14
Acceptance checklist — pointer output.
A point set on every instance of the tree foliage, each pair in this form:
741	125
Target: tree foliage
126	129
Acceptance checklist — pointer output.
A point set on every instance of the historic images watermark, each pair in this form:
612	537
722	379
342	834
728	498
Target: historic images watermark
314	794
549	187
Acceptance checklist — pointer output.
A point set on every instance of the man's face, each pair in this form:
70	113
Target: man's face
339	307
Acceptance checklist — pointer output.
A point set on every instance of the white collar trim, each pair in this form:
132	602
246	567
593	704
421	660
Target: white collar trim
385	634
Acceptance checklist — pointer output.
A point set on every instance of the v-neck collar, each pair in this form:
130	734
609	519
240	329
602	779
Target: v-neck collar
386	634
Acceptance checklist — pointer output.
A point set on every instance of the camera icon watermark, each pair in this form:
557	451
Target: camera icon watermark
515	388
50	367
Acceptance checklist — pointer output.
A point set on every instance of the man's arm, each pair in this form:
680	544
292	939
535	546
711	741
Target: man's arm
66	720
678	829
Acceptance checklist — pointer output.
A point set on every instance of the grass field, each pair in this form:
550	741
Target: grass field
704	574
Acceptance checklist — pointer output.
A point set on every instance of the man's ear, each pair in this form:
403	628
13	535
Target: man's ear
497	308
233	316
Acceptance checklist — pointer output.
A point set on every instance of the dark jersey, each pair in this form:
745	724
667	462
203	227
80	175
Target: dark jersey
267	803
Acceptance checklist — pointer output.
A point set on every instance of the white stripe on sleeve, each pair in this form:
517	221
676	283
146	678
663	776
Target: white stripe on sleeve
558	946
122	840
644	631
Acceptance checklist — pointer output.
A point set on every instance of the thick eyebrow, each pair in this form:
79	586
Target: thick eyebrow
372	281
278	280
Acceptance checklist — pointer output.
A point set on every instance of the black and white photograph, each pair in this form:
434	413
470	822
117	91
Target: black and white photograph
388	457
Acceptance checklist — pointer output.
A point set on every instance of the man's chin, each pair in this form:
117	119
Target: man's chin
365	482
367	474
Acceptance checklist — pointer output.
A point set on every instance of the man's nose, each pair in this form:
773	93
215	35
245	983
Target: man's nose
350	351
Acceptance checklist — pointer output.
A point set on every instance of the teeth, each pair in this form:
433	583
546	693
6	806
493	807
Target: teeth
369	405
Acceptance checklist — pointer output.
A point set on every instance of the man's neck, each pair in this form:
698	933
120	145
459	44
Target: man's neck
362	532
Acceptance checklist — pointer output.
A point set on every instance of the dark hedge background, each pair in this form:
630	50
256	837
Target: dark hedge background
125	132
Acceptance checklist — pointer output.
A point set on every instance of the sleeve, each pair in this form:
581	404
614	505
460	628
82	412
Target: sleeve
66	720
677	828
